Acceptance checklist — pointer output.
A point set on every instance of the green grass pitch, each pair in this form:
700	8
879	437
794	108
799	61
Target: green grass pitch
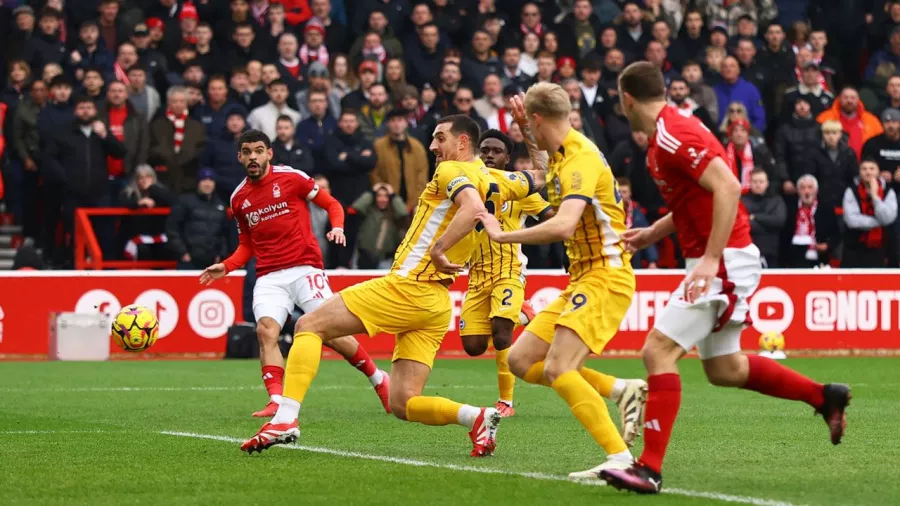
101	433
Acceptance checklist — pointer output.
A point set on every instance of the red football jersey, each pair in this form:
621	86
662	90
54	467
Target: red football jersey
677	156
274	213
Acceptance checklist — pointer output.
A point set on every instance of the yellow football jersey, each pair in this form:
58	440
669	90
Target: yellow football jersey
579	170
491	260
436	209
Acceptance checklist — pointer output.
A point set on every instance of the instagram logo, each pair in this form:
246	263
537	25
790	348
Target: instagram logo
210	313
821	310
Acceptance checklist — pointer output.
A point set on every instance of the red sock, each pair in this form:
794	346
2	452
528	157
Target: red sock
768	377
663	401
362	361
273	377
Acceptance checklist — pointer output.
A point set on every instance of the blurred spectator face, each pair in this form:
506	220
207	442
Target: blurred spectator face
895	42
893	88
318	104
575	120
511	57
582	10
759	183
367	78
515	133
321	8
285	130
137	79
551	42
378	96
492	86
18	74
566	70
410	103
341	67
718	39
269	73
61	93
546	68
803	55
818	40
377	21
746	28
531	15
894	13
348	123
574	91
450	75
849	101
868	170
157	33
48	25
288	47
428	96
177	103
397	126
429	37
240	7
810	77
746	52
204	34
193	74
116	94
319	83
217	91
144	180
194	96
692	73
531	43
892	129
393	71
625	192
661	31
801	109
382	198
322	183
243	37
831	136
142	41
463	100
679	91
775	36
188	24
278	94
93	82
235	124
736	110
254	71
88	35
86	112
614	61
807	190
693	23
25	22
590	77
239	82
655	53
127	55
371	41
185	54
39	92
206	186
523	163
421	15
640	139
275	14
731	71
481	42
632	15
493	26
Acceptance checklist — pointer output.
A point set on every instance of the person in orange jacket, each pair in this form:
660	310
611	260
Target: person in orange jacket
859	124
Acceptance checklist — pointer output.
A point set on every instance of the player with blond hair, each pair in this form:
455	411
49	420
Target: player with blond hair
590	218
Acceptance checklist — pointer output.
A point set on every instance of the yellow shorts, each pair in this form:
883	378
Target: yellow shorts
416	312
592	306
501	299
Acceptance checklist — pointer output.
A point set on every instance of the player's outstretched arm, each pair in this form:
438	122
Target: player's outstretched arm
558	228
463	222
637	239
335	210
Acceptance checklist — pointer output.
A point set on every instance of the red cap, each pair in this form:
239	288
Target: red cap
188	11
368	65
738	122
314	25
154	23
565	60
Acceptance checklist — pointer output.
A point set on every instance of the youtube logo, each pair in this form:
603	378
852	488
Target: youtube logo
771	309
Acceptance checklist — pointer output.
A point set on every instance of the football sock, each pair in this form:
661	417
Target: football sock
590	409
302	364
602	383
288	411
273	377
768	377
437	411
505	379
663	402
535	374
364	363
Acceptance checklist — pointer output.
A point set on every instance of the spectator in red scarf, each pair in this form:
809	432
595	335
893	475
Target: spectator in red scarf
176	143
859	124
808	246
870	207
745	156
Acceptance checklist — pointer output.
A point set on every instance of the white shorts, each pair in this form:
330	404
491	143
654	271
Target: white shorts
714	322
276	293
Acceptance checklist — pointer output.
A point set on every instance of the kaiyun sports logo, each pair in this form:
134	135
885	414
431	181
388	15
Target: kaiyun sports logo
267	213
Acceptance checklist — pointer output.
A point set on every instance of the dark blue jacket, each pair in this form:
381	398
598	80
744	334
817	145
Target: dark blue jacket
100	58
214	120
53	116
312	134
745	93
639	220
220	154
878	58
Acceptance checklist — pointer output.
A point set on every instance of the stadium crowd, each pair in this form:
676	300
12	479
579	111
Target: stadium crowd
137	103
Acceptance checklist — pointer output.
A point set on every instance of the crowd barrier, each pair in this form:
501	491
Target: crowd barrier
842	311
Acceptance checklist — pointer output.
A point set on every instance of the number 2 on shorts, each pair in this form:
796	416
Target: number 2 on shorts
507	295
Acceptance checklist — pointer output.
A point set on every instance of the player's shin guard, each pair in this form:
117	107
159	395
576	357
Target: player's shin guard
768	377
663	402
302	365
602	383
590	409
434	410
505	379
273	377
535	374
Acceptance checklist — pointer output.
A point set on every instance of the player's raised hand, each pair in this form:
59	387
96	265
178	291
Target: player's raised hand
444	265
517	110
637	239
337	236
491	225
212	273
698	281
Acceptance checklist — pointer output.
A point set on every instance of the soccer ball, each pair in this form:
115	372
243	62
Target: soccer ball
771	341
135	328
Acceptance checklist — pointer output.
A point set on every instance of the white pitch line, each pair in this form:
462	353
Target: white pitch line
737	499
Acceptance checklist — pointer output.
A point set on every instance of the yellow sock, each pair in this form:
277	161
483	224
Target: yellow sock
505	379
432	410
602	383
590	409
302	365
535	374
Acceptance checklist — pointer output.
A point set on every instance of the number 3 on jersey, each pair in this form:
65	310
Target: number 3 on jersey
492	203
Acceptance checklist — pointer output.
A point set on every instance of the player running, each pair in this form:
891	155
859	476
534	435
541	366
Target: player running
709	309
590	219
495	301
412	301
272	212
